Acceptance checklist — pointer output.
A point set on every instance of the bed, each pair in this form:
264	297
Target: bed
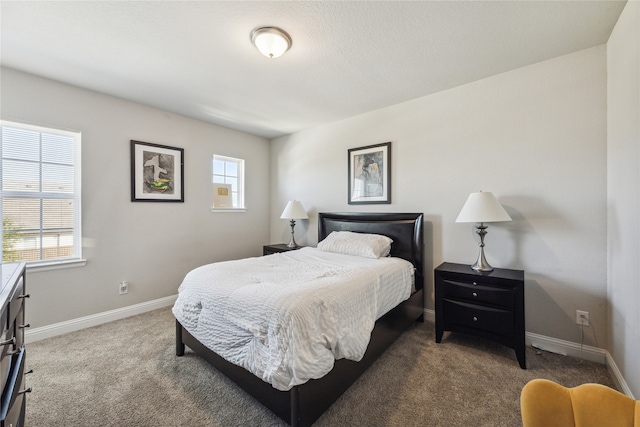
304	403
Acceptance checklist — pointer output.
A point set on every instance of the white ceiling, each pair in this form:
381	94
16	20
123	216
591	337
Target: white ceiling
348	57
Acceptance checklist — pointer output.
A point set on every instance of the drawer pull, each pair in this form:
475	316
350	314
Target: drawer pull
475	294
12	341
475	319
28	390
24	296
24	326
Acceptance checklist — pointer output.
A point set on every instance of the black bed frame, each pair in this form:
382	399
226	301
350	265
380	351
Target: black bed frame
305	403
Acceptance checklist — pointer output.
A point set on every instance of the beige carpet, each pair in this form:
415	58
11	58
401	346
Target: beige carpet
126	373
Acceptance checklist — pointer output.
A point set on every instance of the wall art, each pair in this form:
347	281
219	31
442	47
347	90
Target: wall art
370	174
157	173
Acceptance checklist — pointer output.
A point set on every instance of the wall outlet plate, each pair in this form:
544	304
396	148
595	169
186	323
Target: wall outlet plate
123	288
582	318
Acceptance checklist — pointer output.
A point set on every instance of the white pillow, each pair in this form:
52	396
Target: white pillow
360	244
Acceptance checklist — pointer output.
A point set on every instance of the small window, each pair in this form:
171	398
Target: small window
40	188
228	170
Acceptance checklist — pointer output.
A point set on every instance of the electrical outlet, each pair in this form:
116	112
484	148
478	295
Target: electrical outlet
582	318
123	287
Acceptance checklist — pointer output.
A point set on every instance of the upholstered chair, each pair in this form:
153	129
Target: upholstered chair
544	403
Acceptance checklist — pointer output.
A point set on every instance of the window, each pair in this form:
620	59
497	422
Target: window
40	183
227	170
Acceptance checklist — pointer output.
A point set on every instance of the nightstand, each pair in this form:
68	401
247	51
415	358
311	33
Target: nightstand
277	248
485	304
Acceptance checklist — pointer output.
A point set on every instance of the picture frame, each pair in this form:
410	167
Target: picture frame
157	173
370	174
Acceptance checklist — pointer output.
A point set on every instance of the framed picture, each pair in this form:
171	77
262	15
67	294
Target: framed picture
157	173
370	174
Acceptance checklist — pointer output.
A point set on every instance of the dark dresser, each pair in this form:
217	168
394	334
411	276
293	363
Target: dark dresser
12	297
485	304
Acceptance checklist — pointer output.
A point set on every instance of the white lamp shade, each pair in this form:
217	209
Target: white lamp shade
294	210
271	42
482	207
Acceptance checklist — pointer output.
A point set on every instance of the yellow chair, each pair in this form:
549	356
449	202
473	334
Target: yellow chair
546	404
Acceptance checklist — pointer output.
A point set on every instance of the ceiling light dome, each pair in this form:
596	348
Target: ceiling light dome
272	42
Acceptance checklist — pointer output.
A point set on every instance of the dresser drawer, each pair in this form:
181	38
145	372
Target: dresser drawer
5	355
487	319
16	313
8	345
478	292
16	302
13	396
4	320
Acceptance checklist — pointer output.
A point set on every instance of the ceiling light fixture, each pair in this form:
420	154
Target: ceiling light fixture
272	42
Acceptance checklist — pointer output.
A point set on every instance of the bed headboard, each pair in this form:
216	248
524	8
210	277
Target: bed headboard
405	229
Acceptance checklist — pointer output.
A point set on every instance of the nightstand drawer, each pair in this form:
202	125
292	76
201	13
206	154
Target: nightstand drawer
478	293
486	319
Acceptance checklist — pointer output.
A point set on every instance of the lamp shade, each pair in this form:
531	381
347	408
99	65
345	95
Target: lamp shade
272	42
294	210
482	207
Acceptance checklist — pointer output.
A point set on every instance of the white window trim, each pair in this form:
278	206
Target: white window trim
62	263
228	209
38	266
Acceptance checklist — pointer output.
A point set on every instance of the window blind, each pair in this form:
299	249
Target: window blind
40	194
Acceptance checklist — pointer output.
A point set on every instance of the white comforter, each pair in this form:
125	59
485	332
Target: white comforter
286	317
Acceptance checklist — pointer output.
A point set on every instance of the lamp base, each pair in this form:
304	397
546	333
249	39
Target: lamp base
292	244
481	263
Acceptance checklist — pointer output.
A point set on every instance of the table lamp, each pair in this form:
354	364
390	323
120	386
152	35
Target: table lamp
482	207
294	210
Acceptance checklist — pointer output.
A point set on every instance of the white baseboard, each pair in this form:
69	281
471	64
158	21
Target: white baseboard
617	377
72	325
566	348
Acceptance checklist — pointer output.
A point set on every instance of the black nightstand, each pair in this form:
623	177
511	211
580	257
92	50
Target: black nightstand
277	248
485	304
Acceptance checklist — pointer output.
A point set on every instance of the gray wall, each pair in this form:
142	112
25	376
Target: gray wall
623	154
152	245
535	137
